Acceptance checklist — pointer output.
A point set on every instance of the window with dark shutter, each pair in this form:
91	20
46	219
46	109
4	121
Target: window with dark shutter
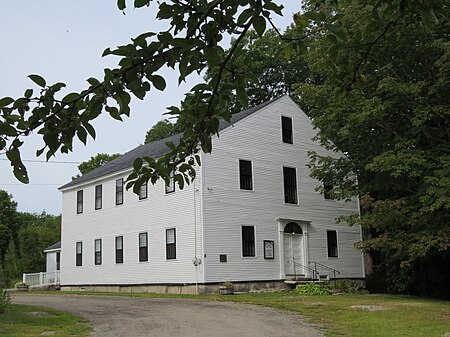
98	197
290	185
248	241
332	244
119	249
79	254
286	129
171	187
119	191
171	250
143	247
80	202
98	252
245	175
143	191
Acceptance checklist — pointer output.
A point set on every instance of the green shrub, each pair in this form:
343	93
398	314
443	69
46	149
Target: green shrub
5	300
313	289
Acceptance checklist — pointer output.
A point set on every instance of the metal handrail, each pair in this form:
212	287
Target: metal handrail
314	272
334	271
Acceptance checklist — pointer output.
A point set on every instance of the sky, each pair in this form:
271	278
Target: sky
63	40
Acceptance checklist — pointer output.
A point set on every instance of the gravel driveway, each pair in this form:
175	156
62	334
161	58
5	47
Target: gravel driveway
138	317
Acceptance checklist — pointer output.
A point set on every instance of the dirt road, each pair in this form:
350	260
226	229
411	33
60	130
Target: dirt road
142	317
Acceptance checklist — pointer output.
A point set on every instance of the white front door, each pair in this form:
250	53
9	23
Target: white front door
293	259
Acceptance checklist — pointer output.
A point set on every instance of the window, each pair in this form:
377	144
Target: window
143	191
119	191
223	258
80	202
290	185
327	190
98	251
286	129
143	247
245	175
98	197
171	187
58	261
119	249
79	253
171	250
332	244
248	241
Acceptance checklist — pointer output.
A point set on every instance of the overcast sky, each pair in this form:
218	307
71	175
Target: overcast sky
63	41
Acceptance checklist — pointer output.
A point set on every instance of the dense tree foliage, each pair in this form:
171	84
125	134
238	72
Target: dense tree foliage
387	107
23	239
163	129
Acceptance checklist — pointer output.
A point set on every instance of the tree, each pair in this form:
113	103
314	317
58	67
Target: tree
10	269
386	106
191	45
163	129
8	221
95	162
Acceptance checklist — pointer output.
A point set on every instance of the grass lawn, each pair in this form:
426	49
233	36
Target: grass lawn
17	323
404	316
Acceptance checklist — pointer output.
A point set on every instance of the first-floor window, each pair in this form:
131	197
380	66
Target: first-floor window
171	250
79	253
58	261
248	241
143	247
98	252
119	249
171	187
332	244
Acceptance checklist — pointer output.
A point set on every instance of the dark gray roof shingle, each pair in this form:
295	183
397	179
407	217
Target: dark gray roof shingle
155	149
54	246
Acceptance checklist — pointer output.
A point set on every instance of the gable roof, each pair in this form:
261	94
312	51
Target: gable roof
53	246
154	149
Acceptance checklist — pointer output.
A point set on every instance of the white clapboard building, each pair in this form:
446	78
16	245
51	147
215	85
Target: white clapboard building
252	216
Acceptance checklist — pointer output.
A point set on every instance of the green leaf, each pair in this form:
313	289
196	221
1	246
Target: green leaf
5	101
137	164
259	23
121	4
90	129
141	3
159	82
338	31
242	97
315	16
7	130
20	172
28	93
82	134
38	80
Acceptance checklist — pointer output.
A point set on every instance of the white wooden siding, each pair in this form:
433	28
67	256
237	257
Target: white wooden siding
153	215
227	208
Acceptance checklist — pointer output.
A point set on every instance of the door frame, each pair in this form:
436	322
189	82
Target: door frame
304	224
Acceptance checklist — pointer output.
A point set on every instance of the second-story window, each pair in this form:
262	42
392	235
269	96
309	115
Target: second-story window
286	129
327	190
119	191
119	249
98	197
80	202
171	187
98	252
245	175
290	185
143	191
143	247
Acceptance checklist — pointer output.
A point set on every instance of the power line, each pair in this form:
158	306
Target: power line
26	185
46	162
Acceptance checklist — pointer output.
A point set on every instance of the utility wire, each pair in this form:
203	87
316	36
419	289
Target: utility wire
47	162
26	185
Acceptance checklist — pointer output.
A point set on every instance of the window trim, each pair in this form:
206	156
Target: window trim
337	244
118	251
296	187
140	257
80	254
98	196
80	202
254	243
174	244
119	191
292	130
171	187
146	191
98	258
240	175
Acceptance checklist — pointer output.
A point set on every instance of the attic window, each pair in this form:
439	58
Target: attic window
286	129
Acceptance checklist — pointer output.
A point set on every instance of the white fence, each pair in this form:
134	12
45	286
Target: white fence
42	279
